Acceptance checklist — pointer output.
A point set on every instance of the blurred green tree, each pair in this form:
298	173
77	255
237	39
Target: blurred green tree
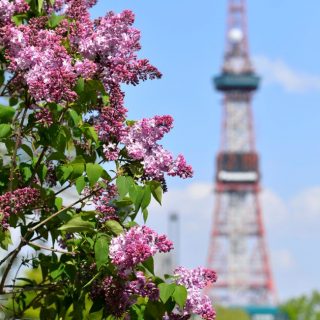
305	307
231	314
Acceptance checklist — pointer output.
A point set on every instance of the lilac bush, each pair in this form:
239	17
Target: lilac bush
62	124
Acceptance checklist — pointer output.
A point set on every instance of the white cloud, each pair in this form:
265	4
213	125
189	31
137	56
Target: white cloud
276	71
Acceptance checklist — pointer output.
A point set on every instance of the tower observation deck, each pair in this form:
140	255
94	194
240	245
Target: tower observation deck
237	249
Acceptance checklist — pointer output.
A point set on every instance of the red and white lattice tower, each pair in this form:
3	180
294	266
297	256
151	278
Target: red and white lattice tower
238	249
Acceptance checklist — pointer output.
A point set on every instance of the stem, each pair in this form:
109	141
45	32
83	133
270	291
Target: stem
8	267
6	85
61	210
6	257
38	163
50	249
14	155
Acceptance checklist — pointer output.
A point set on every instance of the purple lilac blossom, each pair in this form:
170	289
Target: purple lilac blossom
194	280
120	294
135	246
141	144
16	202
102	200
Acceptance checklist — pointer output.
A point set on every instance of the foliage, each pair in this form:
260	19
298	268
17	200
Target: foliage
231	314
303	307
63	127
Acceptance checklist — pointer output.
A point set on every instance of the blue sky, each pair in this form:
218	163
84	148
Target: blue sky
185	40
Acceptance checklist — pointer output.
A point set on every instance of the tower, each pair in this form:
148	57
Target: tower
237	249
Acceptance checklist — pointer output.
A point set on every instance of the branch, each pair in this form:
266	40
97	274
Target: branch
62	210
49	249
14	155
8	267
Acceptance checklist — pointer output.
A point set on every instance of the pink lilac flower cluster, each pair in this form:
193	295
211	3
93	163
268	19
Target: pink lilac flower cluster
111	129
102	199
120	294
41	62
141	144
135	246
194	280
114	42
17	201
9	8
44	117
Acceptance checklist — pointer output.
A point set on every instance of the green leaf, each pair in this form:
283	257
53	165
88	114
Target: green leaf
138	198
166	291
18	19
27	150
26	171
122	186
5	238
114	226
6	114
13	101
64	173
101	250
78	169
123	203
58	203
149	265
54	20
5	130
76	224
40	4
74	116
156	190
154	310
145	214
94	171
97	305
180	295
80	184
80	86
146	197
90	132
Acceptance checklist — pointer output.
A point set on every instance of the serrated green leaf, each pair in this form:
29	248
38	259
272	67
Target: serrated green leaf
180	295
5	130
94	171
6	114
76	224
166	291
114	226
80	184
101	250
